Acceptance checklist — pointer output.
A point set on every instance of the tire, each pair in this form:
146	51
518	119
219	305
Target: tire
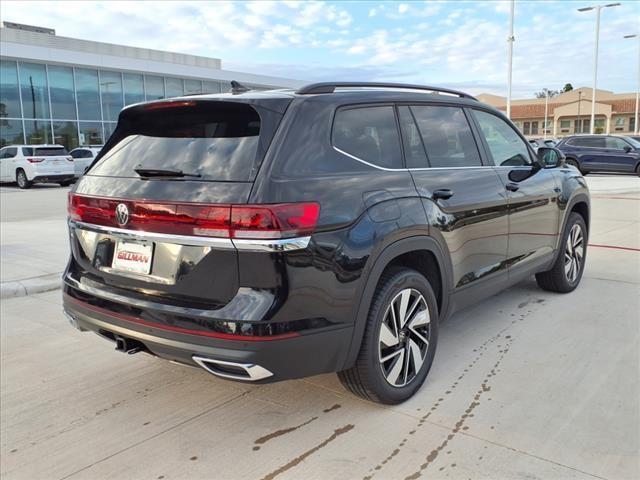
574	163
22	180
638	170
385	381
561	277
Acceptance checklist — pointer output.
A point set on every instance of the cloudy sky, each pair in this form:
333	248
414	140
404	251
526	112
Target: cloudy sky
457	44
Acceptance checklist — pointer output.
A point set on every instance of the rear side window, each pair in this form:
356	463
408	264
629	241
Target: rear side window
592	142
27	151
370	134
446	136
216	140
505	145
50	152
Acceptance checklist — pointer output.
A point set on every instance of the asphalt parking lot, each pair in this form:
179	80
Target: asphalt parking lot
527	384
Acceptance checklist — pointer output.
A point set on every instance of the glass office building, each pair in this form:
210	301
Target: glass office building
69	91
73	106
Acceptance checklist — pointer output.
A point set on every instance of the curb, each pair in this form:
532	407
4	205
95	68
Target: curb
30	286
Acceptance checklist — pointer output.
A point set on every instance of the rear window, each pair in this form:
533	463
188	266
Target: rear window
218	141
369	134
50	152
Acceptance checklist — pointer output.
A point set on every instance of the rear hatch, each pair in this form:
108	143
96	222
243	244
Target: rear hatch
147	220
52	160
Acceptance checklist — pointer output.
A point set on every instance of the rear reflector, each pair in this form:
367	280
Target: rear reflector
283	220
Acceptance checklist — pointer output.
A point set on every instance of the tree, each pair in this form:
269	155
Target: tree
546	92
567	88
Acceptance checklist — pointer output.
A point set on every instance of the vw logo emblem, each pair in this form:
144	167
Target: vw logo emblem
122	214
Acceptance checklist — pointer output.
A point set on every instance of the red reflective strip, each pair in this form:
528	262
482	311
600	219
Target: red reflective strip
207	220
187	331
614	247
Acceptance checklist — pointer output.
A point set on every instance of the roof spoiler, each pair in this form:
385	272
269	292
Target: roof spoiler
330	87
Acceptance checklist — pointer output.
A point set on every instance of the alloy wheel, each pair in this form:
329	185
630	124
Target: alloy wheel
574	253
22	179
404	337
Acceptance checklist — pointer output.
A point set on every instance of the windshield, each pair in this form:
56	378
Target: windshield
218	142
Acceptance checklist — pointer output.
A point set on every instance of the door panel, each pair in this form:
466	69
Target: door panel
534	216
473	222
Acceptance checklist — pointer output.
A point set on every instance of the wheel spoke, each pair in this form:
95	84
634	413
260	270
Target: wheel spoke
388	337
386	358
416	356
421	318
396	369
405	296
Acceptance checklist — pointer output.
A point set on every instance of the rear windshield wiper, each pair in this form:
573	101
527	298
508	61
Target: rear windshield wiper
163	172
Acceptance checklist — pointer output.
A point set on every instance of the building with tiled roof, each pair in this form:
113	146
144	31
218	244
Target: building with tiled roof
570	113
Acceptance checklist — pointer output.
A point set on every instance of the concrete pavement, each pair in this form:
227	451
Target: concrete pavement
526	384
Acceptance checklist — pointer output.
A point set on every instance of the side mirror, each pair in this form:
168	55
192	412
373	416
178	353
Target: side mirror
627	148
550	157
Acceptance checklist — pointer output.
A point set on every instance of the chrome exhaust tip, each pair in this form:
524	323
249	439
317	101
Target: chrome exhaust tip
247	372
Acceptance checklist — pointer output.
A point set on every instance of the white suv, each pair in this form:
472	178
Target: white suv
83	157
29	164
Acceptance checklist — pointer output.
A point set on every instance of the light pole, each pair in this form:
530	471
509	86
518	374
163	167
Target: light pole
546	110
597	8
510	40
580	129
636	126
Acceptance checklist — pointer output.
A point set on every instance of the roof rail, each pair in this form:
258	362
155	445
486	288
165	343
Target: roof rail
330	87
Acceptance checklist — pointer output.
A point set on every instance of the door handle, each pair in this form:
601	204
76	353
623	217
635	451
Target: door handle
512	187
442	194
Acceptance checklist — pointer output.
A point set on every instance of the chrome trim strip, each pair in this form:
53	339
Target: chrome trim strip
254	372
275	245
156	237
417	169
251	245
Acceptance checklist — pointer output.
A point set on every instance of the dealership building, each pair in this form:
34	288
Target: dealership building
68	91
570	113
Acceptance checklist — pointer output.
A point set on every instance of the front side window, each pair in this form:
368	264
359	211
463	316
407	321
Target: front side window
505	145
369	134
615	143
446	136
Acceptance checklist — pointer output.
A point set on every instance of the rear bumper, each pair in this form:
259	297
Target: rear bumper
44	178
282	357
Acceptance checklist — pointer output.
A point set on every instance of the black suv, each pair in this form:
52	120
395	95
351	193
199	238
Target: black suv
602	153
274	235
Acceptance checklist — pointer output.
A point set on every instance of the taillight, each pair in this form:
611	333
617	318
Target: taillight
35	160
283	220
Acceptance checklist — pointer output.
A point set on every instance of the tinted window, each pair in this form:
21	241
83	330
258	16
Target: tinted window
593	142
446	136
35	95
505	145
50	151
9	97
88	94
10	152
63	97
413	148
616	143
217	142
27	151
370	134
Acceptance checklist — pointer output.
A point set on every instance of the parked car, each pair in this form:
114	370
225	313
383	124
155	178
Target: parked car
83	157
602	153
29	164
542	142
273	235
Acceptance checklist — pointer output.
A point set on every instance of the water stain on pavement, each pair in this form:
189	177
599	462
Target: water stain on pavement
279	433
336	433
